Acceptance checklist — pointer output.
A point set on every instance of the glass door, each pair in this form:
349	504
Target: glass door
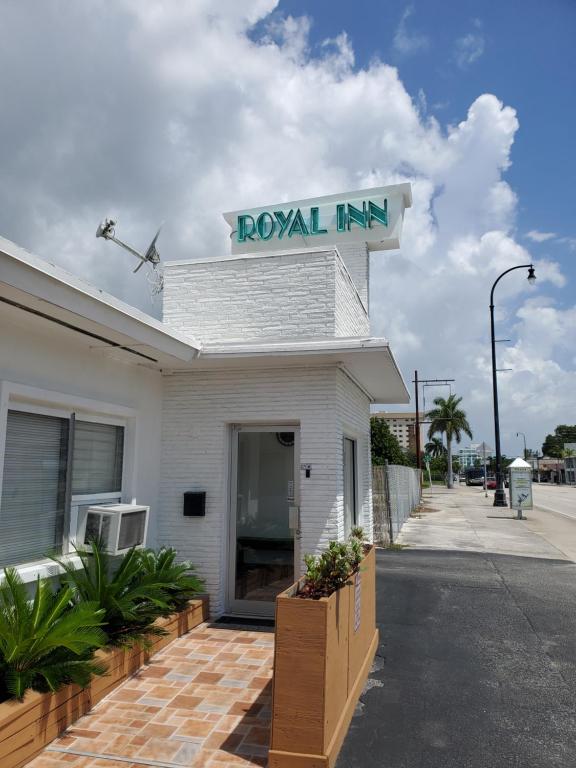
264	517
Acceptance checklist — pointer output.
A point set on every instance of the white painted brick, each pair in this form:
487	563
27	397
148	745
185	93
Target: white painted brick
357	260
198	411
286	295
353	410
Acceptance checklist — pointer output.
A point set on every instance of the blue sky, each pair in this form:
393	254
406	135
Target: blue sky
447	53
523	51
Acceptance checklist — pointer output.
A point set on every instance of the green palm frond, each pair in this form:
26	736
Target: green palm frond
45	633
435	447
447	418
178	580
143	586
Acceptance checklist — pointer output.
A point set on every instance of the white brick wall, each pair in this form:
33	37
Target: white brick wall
357	260
199	409
286	295
351	318
353	414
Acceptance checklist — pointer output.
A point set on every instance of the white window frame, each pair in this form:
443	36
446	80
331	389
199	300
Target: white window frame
360	462
21	397
358	512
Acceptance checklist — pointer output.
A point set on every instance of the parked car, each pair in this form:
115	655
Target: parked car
491	484
474	476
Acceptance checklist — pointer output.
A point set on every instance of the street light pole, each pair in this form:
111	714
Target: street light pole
500	494
417	426
524	436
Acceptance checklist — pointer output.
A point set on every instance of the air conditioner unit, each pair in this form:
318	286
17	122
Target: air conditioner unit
118	526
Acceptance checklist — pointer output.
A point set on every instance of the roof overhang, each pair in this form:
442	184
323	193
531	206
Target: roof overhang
36	287
368	362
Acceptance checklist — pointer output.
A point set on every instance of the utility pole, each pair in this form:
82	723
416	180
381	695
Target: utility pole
425	382
418	459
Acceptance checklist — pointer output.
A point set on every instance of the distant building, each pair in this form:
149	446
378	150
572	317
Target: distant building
551	470
469	457
403	427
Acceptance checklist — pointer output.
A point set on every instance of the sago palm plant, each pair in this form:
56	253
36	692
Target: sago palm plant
447	418
177	580
130	598
45	642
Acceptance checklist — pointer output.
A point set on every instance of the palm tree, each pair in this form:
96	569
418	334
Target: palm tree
447	418
435	448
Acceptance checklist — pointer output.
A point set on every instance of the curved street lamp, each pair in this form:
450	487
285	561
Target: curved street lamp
524	436
500	494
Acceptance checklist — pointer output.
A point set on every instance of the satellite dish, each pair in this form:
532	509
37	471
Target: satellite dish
151	256
107	230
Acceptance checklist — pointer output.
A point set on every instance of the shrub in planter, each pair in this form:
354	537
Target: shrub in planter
325	644
333	568
134	593
130	598
178	580
45	643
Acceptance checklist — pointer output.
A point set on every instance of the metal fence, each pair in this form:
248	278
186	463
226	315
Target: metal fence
395	494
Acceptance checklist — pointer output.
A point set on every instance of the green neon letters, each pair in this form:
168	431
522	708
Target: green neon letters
279	223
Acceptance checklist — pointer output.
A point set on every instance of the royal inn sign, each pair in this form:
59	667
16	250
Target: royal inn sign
373	216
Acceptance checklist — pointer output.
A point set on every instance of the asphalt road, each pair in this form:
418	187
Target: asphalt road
555	498
476	666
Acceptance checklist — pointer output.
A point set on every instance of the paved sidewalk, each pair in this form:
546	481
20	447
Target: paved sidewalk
476	666
463	519
202	702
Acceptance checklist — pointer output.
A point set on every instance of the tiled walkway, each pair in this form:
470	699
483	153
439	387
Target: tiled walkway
202	701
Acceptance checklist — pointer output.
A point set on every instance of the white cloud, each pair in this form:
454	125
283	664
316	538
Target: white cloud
407	42
177	111
569	241
469	48
540	237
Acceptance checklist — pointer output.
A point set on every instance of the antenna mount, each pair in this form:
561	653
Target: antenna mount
107	230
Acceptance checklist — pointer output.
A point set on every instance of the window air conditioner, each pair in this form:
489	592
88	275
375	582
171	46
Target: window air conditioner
118	526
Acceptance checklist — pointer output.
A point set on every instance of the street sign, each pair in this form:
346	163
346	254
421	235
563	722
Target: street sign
520	486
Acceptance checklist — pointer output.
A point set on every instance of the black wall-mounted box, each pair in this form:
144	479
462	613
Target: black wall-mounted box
195	504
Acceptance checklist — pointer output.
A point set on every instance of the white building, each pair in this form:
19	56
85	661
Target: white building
469	457
403	427
253	393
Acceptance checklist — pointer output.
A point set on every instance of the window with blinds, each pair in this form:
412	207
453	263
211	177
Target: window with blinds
33	502
97	463
33	487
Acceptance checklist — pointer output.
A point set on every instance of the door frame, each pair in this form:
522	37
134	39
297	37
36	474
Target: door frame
250	608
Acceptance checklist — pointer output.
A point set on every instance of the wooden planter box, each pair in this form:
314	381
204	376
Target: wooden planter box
27	726
323	653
